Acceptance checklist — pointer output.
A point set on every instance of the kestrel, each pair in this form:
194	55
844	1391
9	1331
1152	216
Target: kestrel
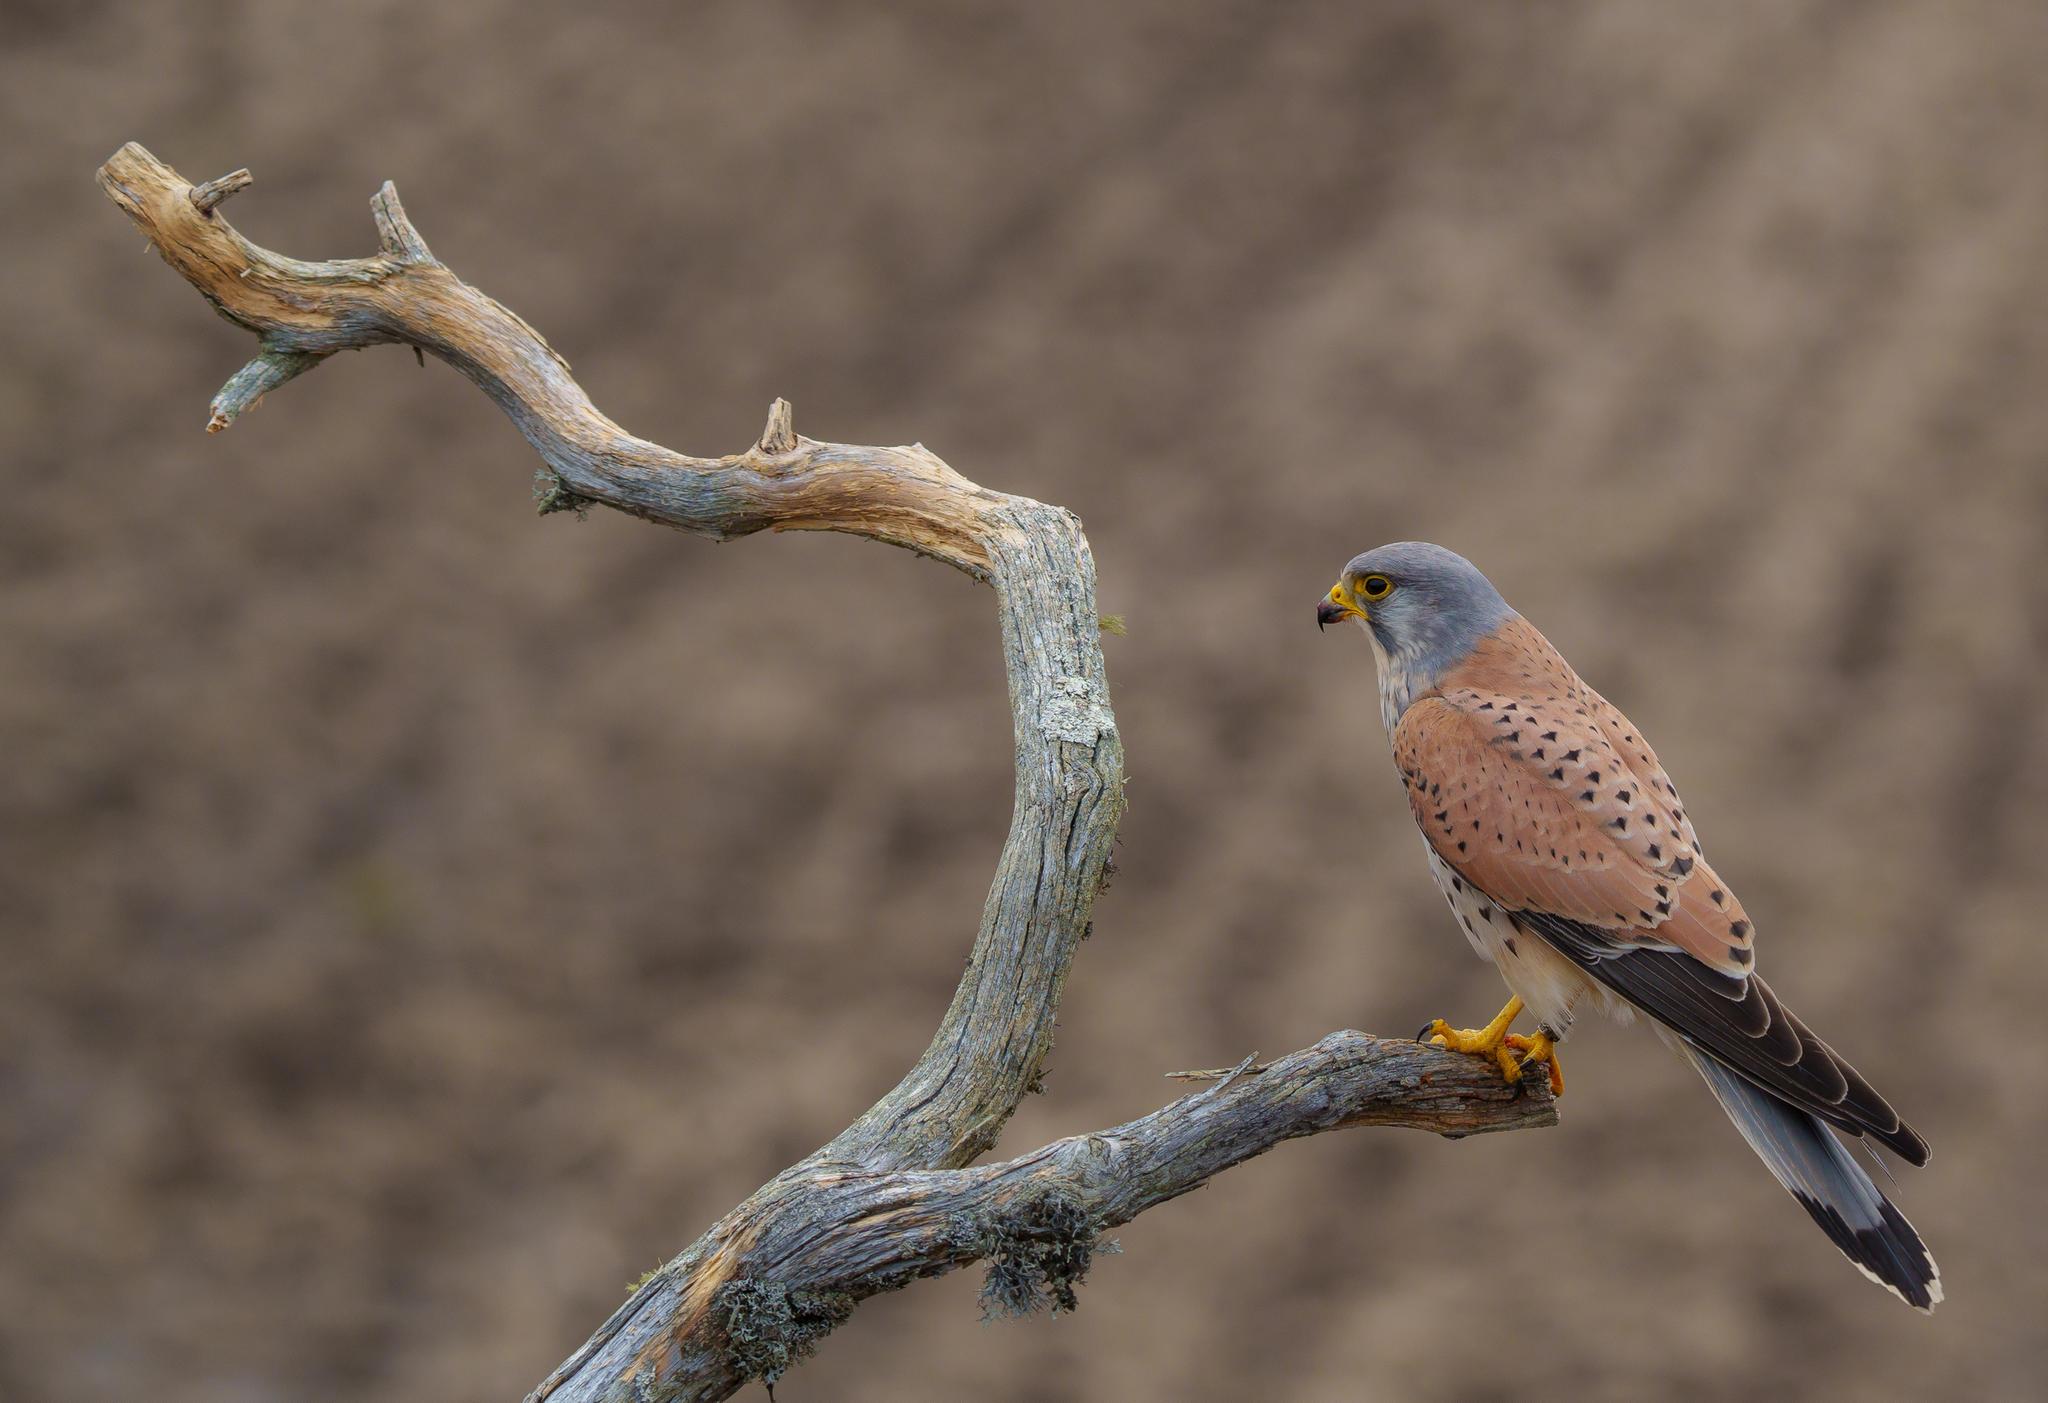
1569	859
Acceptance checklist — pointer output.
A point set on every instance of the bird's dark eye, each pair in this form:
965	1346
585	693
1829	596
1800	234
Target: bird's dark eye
1375	587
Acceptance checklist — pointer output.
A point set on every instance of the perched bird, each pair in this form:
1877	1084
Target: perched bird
1569	859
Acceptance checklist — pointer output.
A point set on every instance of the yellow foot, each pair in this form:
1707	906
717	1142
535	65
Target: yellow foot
1540	1048
1485	1042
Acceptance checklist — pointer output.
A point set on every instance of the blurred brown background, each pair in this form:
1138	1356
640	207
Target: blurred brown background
421	918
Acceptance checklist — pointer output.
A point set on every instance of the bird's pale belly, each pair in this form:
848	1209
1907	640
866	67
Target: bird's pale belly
1550	986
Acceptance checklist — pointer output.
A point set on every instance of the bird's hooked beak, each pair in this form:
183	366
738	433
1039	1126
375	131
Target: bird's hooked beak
1336	606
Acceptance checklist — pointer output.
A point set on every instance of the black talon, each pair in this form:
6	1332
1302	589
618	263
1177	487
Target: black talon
1424	1034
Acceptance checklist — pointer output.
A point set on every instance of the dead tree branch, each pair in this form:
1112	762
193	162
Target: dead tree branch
892	1197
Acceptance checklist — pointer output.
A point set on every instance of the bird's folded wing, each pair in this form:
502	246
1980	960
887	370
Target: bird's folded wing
1558	805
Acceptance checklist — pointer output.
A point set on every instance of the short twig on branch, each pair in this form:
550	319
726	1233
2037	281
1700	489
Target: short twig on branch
1225	1075
893	1197
210	193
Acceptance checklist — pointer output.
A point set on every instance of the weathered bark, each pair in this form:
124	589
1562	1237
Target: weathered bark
891	1198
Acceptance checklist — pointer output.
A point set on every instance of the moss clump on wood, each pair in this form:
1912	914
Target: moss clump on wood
633	1287
550	494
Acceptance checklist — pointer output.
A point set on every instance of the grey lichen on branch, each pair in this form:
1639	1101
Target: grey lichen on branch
1038	1254
897	1195
770	1327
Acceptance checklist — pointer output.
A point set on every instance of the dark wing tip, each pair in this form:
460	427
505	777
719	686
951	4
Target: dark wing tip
1864	1110
1910	1146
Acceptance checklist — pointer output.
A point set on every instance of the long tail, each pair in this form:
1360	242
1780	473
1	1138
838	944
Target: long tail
1814	1166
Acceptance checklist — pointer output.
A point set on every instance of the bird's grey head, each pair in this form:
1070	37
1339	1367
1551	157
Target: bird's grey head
1424	608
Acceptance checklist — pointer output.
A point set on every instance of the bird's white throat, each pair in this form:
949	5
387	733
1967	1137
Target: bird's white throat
1400	678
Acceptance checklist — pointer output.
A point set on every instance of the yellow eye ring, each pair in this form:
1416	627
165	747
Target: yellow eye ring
1375	587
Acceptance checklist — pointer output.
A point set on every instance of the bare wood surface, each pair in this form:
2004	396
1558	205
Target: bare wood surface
891	1198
